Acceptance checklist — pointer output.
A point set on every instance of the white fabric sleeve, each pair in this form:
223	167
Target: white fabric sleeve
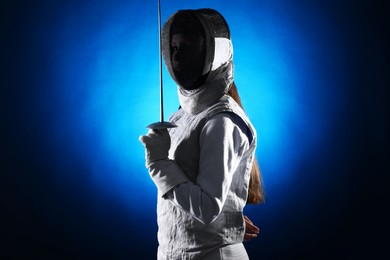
222	145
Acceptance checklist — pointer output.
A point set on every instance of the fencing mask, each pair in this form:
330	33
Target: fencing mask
195	43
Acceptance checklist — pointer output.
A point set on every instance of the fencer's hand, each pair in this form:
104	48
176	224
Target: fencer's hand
157	144
251	231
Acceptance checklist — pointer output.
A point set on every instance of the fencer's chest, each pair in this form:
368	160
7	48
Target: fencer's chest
185	141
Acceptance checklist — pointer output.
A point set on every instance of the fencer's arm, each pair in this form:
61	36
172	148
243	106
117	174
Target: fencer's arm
164	172
222	144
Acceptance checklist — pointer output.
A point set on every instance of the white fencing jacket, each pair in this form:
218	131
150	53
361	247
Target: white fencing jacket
203	186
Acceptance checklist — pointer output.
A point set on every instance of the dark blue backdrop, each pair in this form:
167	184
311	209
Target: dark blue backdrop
79	83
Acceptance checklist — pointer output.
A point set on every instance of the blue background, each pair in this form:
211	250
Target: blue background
79	83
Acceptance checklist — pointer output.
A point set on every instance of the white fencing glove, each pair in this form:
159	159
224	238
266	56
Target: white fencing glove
157	144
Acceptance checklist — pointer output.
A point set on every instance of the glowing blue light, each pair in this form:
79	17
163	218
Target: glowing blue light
106	75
